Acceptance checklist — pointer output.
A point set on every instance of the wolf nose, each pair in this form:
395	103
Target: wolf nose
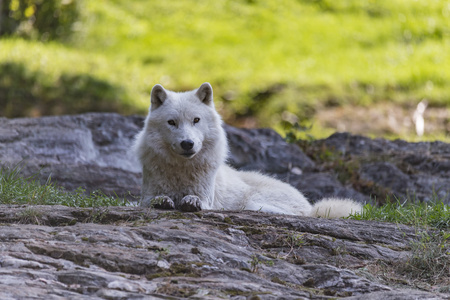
187	145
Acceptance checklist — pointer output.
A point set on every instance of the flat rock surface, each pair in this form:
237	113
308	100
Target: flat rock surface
92	151
57	252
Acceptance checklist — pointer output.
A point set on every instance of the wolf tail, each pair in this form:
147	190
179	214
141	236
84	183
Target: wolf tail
332	208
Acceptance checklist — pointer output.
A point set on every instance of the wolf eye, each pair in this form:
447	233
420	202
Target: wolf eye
196	120
171	122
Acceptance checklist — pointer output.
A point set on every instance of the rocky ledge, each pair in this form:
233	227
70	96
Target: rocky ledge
57	252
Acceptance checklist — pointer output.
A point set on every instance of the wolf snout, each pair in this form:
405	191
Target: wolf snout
187	145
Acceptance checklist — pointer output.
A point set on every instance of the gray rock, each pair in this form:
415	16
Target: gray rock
88	151
387	175
413	171
264	150
134	252
395	295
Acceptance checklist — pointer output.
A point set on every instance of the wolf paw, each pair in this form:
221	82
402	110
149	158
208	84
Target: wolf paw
162	202
190	203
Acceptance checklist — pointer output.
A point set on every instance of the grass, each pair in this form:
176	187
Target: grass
266	60
429	259
54	79
16	189
435	214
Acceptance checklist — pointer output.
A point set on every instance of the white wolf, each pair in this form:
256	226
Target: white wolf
183	150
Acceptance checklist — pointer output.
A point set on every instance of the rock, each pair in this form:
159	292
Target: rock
264	150
395	295
88	151
135	252
387	175
414	171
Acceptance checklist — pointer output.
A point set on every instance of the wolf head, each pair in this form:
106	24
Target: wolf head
182	124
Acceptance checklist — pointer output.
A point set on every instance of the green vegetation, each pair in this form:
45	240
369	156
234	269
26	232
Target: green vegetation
268	61
59	80
38	19
430	257
16	189
257	260
422	214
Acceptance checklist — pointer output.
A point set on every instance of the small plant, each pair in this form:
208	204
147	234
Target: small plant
339	254
293	241
30	216
255	261
162	253
430	257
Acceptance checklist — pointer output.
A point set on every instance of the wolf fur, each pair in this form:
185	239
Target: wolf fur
183	150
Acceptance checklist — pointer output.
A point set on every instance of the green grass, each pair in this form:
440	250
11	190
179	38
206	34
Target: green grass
54	79
262	57
16	189
435	214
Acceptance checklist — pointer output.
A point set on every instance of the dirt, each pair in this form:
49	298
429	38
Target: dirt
384	119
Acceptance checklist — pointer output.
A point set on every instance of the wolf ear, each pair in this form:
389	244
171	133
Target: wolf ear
205	93
158	96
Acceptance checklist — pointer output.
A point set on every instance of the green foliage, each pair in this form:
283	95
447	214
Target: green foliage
256	260
268	61
58	80
15	189
39	19
266	57
435	214
296	132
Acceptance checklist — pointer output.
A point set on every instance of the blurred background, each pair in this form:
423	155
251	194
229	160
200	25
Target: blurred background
303	67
